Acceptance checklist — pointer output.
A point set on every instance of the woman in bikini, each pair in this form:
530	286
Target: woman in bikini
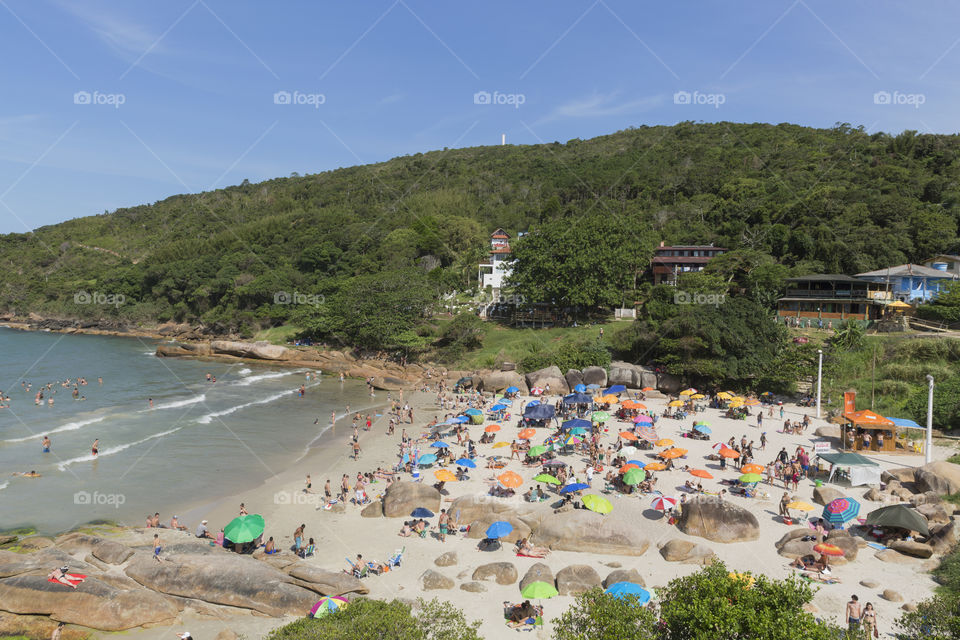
60	575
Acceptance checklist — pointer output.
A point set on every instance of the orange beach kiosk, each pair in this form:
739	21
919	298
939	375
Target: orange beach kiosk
868	431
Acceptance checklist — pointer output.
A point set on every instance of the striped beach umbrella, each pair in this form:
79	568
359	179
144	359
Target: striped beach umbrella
841	510
645	419
662	503
647	433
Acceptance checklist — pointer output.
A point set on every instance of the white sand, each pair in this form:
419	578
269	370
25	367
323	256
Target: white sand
344	535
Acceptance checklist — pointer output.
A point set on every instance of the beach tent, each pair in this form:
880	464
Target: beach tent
577	398
901	516
617	388
862	470
868	420
539	412
574	424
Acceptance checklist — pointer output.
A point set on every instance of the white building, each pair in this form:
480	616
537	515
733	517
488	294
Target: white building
494	272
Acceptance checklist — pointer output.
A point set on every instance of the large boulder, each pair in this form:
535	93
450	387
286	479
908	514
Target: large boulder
934	513
595	375
222	578
718	520
372	510
687	552
538	572
911	548
403	497
582	530
479	526
547	376
927	497
573	378
623	373
324	581
94	604
14	564
499	380
900	474
895	557
944	537
825	495
473	508
576	579
941	477
502	572
828	431
447	559
431	580
646	379
111	552
623	575
256	350
669	383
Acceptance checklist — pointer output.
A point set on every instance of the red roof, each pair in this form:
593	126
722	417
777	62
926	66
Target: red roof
500	233
501	250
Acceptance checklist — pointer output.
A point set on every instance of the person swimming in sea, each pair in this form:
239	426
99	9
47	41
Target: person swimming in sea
95	449
27	474
45	445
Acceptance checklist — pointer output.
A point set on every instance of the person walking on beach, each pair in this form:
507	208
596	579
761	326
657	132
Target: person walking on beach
853	615
444	521
356	450
869	621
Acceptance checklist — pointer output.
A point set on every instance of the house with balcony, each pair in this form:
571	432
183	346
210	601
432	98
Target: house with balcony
493	273
833	296
912	283
670	261
946	262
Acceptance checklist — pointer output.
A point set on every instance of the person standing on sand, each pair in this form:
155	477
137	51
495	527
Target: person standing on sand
309	487
327	492
356	450
444	521
853	615
869	621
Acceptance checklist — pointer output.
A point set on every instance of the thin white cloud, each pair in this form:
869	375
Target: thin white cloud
391	99
123	35
600	105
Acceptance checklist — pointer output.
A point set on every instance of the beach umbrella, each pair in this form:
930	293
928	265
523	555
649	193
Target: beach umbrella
510	479
628	450
526	434
752	468
900	516
904	422
591	387
539	412
647	433
702	428
675	403
606	399
752	402
572	440
573	487
655	466
723	395
439	444
750	478
625	589
512	390
664	442
629	467
597	504
638	463
701	473
671	454
628	435
497	407
643	418
573	424
546	477
662	503
701	422
461	419
698	396
828	549
800	506
244	528
444	475
421	512
533	403
579	431
491	428
500	445
617	388
727	452
536	391
647	389
551	440
538	450
473	412
328	604
634	477
427	458
466	462
580	388
539	591
841	510
717	445
600	416
688	392
577	398
499	529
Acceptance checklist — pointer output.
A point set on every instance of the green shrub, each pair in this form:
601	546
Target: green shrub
568	355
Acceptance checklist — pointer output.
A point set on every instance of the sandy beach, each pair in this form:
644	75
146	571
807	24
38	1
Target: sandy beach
340	535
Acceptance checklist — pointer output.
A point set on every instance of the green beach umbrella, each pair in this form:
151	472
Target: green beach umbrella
536	451
748	478
546	477
600	416
244	528
599	504
539	591
634	476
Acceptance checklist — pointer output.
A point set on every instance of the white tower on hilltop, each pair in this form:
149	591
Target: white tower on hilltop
503	138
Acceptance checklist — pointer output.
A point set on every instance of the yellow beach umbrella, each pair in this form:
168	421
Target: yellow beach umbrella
688	392
444	475
664	442
723	395
698	396
675	403
501	444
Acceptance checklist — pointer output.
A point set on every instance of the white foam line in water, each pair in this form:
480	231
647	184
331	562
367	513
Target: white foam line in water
179	403
208	418
70	426
4	485
263	376
112	450
245	372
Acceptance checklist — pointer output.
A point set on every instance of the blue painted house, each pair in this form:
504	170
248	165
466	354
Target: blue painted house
911	283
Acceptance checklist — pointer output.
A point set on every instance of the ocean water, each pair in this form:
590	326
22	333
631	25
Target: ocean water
200	440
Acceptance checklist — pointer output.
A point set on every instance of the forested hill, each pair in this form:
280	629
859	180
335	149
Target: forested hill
835	200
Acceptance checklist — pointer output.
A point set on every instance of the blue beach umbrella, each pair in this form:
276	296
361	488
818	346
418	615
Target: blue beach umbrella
577	398
576	423
421	512
702	428
593	386
637	462
466	462
440	445
623	589
473	412
499	529
497	407
574	487
512	389
580	388
460	419
617	388
533	403
427	458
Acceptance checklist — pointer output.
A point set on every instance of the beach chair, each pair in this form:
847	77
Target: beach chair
361	571
396	558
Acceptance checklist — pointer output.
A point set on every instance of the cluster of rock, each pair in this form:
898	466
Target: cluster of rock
629	375
127	588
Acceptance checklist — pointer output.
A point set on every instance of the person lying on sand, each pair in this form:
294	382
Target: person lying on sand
808	563
60	575
526	548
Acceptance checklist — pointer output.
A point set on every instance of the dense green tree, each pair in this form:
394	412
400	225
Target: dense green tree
946	403
596	615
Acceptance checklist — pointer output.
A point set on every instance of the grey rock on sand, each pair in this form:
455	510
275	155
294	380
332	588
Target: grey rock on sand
623	575
502	572
538	572
910	548
473	587
718	521
431	580
447	559
403	497
941	477
324	581
687	552
576	579
892	596
825	495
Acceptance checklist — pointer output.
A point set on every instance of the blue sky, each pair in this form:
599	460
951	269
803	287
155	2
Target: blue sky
108	104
